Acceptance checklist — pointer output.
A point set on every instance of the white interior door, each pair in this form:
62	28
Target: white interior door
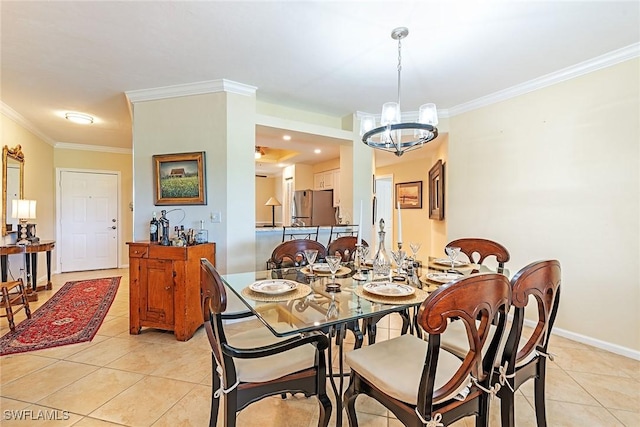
384	210
88	221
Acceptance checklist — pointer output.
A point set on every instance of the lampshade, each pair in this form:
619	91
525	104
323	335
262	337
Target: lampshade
272	202
23	209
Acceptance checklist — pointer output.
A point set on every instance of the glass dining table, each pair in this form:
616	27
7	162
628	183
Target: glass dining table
295	300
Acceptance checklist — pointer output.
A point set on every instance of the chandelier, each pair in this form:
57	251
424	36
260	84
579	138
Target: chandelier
394	135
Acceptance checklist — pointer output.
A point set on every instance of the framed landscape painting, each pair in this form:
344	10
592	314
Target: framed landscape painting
409	195
179	179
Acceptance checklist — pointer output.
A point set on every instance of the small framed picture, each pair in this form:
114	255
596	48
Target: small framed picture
436	191
409	195
180	179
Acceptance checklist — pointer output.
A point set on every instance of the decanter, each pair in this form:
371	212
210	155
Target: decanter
381	262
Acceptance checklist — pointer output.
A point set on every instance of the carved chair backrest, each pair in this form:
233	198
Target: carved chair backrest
344	247
540	280
293	251
476	301
477	250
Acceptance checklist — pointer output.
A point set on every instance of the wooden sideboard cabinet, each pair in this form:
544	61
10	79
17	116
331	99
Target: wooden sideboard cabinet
164	286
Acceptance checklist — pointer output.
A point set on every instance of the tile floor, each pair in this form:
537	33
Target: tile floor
153	380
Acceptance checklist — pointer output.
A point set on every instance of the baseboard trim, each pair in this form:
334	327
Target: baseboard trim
603	345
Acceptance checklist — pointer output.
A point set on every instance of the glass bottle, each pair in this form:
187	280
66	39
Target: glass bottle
153	228
381	262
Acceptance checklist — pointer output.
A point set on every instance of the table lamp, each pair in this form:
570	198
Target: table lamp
23	210
273	202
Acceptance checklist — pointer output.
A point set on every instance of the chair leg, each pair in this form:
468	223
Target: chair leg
507	409
349	403
7	305
482	419
215	401
325	410
539	394
230	408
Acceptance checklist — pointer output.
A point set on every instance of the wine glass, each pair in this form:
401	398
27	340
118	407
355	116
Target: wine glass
415	247
452	252
398	257
310	255
332	310
334	263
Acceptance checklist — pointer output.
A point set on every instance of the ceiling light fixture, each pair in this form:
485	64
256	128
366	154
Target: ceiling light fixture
259	152
287	137
389	135
82	119
317	151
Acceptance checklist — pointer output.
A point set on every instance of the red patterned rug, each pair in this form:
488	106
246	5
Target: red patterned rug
71	316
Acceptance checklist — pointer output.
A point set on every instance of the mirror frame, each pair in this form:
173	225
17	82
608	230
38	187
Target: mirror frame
17	155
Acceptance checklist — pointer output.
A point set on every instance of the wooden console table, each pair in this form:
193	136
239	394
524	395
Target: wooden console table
31	262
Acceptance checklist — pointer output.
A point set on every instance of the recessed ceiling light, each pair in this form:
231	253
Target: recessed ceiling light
317	151
287	137
82	119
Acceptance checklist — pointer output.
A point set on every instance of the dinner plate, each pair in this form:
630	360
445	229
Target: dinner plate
447	261
322	268
388	289
273	286
443	277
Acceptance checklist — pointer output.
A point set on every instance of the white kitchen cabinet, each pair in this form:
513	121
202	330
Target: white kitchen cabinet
323	180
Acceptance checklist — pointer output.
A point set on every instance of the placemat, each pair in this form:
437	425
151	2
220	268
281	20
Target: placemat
419	296
342	271
301	291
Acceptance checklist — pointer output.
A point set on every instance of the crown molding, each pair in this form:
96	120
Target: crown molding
19	118
87	147
594	64
188	89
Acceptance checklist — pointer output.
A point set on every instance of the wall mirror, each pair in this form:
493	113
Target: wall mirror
12	184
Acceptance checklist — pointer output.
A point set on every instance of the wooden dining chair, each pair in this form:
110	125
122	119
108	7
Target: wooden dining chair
344	247
422	384
525	358
13	298
291	253
252	365
477	250
521	358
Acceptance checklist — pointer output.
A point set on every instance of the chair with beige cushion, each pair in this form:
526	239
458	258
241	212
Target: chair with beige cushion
252	365
521	357
478	250
422	385
525	357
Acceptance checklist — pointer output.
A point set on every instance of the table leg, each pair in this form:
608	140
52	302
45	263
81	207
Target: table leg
30	286
48	285
3	266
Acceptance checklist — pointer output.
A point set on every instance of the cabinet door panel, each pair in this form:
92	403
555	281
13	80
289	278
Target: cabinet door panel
156	299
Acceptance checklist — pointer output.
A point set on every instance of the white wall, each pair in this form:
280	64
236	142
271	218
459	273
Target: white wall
223	126
554	174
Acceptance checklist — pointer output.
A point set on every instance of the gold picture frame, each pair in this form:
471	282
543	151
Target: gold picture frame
180	179
436	191
409	195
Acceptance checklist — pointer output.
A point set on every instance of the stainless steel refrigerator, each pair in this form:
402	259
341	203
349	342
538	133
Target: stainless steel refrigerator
313	207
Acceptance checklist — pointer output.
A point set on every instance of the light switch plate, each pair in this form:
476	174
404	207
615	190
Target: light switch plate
216	217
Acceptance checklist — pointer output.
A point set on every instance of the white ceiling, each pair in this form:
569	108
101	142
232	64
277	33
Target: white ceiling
326	56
